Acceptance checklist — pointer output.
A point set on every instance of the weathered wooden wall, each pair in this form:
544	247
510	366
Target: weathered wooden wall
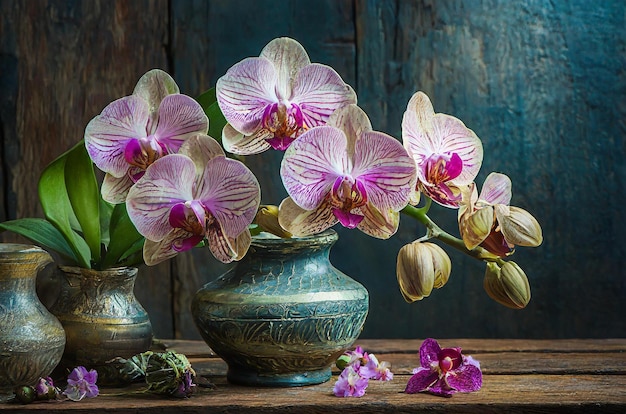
541	82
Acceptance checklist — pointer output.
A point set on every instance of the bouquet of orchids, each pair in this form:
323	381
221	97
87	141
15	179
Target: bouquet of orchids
180	189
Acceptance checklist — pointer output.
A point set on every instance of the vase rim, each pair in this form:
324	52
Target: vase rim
123	271
326	236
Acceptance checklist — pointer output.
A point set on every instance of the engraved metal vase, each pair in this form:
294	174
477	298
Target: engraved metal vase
31	338
283	314
101	316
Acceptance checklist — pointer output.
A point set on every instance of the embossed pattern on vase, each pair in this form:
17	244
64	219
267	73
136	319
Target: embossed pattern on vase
283	310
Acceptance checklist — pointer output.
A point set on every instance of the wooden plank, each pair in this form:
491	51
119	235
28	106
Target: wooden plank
500	393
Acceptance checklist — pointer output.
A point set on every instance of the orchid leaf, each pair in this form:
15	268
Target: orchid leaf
124	237
58	208
208	102
106	210
42	233
84	195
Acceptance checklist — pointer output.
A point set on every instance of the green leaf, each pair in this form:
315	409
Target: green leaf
124	237
84	195
207	98
42	233
58	209
216	121
106	210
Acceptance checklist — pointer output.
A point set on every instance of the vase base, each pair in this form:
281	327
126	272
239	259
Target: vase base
242	376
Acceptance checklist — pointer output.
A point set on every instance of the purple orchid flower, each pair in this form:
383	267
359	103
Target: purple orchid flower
448	155
345	172
444	371
380	371
133	132
194	195
270	100
81	384
350	383
489	221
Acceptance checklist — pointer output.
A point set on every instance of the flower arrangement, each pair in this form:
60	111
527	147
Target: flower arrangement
168	181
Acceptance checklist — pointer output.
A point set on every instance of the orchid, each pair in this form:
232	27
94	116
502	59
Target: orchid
345	172
81	384
444	371
489	221
272	99
196	194
134	131
358	367
448	155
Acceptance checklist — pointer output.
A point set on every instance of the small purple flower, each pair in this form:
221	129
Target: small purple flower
375	370
444	371
186	386
81	383
45	389
350	383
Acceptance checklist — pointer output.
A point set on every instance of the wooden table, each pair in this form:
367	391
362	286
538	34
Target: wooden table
520	376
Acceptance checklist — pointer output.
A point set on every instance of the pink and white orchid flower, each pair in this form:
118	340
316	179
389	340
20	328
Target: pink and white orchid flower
194	195
345	172
270	100
134	131
448	155
489	221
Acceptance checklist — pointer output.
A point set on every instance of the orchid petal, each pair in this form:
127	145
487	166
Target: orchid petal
238	143
311	165
114	190
201	148
467	378
227	249
152	87
347	219
446	195
381	224
168	181
385	169
496	189
288	57
429	353
106	135
353	121
301	222
421	380
179	118
475	228
155	252
518	226
244	92
319	91
231	192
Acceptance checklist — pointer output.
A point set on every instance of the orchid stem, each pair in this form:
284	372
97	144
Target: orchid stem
433	230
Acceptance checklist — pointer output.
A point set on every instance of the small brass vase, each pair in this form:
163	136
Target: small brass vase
31	338
283	314
101	316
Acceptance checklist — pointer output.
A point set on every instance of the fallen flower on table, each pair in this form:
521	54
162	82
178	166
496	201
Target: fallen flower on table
444	371
358	367
81	384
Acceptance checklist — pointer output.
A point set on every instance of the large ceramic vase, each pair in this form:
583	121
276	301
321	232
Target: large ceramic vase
101	316
31	338
283	314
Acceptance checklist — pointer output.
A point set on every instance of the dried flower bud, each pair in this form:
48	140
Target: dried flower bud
420	268
25	394
267	219
519	226
169	373
475	227
507	285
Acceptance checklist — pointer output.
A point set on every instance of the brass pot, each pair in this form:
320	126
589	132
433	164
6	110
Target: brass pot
283	314
31	338
101	316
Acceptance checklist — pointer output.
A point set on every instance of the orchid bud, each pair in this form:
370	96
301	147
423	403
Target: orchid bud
475	228
519	226
267	219
343	361
420	268
507	285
